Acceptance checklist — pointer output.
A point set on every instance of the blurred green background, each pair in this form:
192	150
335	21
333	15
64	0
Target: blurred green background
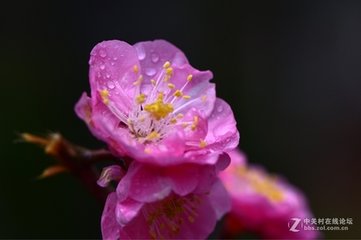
291	70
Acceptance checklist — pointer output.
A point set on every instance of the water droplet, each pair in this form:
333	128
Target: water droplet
102	67
102	53
107	75
111	85
155	57
150	72
112	63
141	52
115	58
219	108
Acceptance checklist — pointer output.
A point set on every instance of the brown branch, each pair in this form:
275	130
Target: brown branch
77	160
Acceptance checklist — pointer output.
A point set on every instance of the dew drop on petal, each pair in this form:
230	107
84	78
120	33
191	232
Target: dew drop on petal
111	85
102	53
115	58
112	63
141	52
155	57
150	72
102	67
219	108
107	75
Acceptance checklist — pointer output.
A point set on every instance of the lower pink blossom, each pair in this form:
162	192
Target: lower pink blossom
182	202
262	203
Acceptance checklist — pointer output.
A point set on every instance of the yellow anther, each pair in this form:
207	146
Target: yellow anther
105	96
178	93
173	121
180	115
152	81
204	98
169	71
158	109
202	143
195	123
135	69
171	85
141	98
166	78
139	81
153	135
184	125
166	65
189	77
186	97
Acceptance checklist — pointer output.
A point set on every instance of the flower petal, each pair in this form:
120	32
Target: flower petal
112	74
220	199
153	54
126	210
109	225
110	173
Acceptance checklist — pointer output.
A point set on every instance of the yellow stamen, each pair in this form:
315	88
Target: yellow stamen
152	81
195	123
169	71
173	121
139	81
189	77
186	97
204	98
202	143
105	96
166	65
141	98
153	135
178	93
158	108
171	85
135	69
180	115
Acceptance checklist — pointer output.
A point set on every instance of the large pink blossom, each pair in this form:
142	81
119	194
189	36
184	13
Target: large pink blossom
263	203
182	202
147	102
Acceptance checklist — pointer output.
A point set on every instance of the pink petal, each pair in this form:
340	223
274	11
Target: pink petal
109	225
220	199
183	178
201	91
127	210
143	184
111	69
153	54
110	173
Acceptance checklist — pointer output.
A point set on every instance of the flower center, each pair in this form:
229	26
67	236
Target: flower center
263	185
165	218
158	110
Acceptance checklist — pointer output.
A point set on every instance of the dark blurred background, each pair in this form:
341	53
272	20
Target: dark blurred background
291	70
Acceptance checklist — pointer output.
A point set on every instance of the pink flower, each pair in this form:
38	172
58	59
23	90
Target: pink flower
263	203
148	103
182	202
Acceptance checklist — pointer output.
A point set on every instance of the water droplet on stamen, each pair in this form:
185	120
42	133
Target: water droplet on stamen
155	58
150	72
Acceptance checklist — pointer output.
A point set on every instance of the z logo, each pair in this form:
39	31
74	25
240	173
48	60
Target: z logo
293	226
